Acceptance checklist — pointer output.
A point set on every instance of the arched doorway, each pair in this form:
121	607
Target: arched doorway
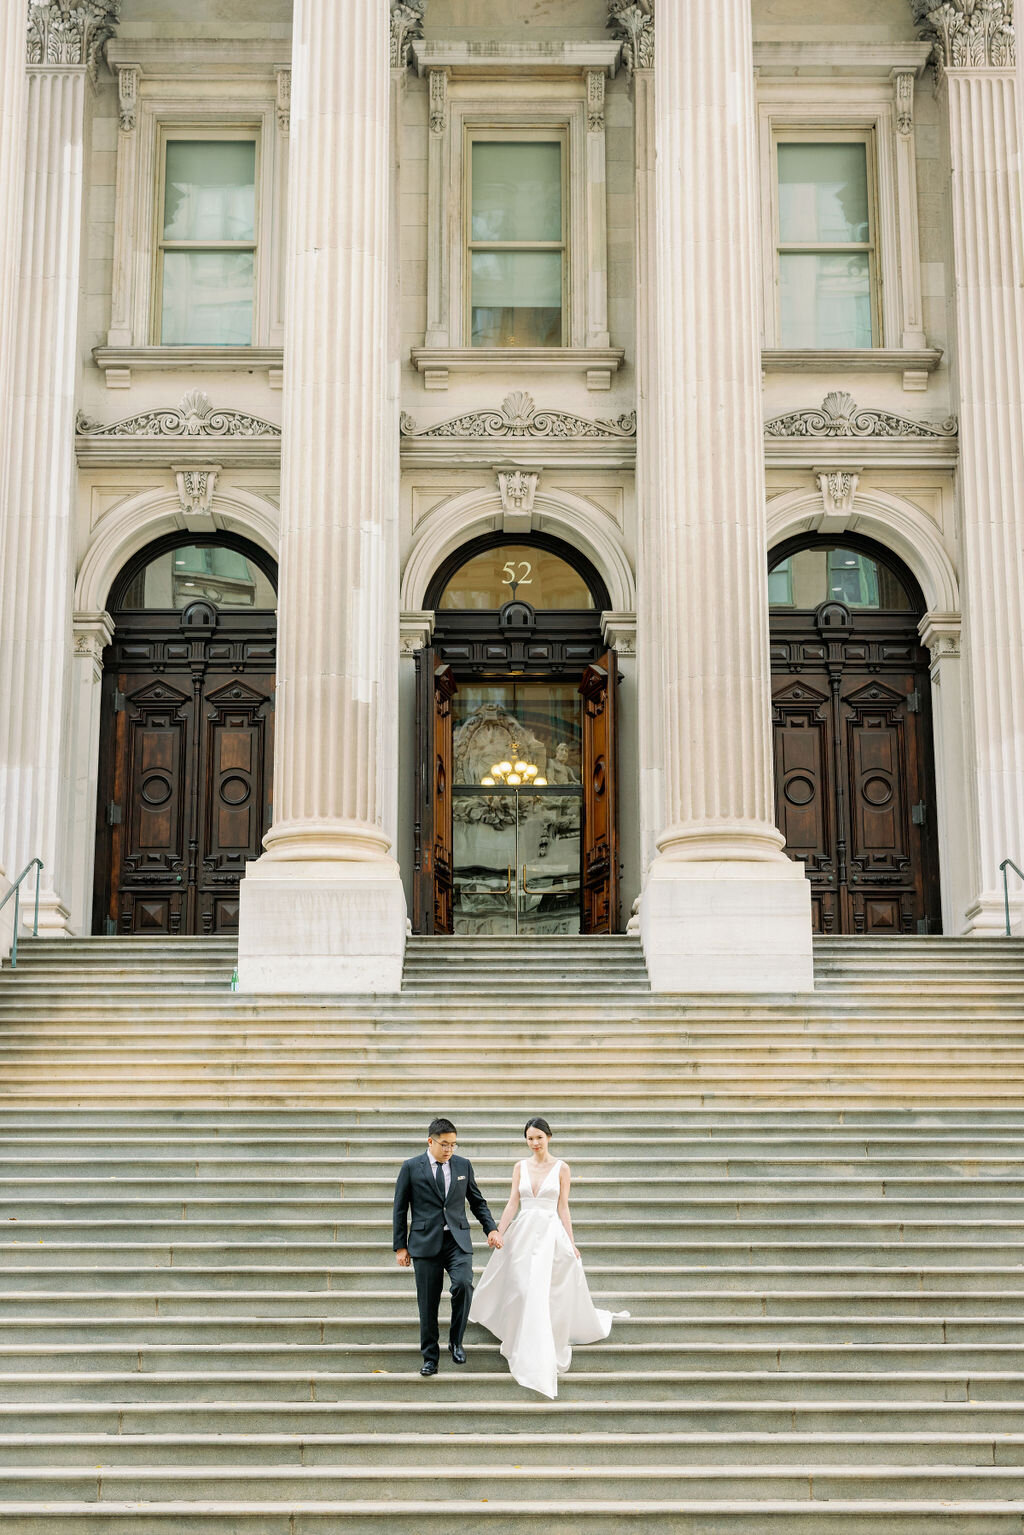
186	735
516	827
854	775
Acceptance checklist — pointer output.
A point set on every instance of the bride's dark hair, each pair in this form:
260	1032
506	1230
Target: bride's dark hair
537	1124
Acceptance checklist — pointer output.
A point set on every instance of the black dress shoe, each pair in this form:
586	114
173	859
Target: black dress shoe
457	1352
429	1367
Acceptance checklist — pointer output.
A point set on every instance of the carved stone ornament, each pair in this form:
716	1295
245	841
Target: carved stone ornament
194	417
196	488
519	417
438	100
838	488
633	22
71	31
838	415
904	102
968	34
406	26
284	100
595	100
128	96
517	488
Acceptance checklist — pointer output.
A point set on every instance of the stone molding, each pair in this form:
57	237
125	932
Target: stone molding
71	31
940	635
438	101
903	83
518	416
839	415
284	99
633	22
91	634
415	629
406	26
618	630
128	76
595	100
194	417
968	34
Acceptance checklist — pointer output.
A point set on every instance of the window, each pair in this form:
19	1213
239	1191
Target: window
834	574
521	571
223	576
825	242
516	255
207	248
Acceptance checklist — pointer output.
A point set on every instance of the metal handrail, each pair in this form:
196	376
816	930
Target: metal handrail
1008	863
15	890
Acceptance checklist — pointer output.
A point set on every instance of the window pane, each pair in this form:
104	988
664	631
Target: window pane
517	298
517	192
813	576
823	193
180	576
210	190
208	298
541	579
825	301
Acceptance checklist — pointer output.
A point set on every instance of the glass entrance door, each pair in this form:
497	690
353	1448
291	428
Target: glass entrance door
516	847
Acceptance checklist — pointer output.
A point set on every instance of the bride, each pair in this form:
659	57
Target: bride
534	1296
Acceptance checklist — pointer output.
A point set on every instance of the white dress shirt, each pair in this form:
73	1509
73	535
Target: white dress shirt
446	1168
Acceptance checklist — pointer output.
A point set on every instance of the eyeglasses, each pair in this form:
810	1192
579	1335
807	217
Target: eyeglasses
444	1145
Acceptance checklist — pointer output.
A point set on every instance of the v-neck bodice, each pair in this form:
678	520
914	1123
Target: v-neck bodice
547	1189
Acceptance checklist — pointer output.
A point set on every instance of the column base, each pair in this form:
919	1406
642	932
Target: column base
987	917
727	926
324	927
54	917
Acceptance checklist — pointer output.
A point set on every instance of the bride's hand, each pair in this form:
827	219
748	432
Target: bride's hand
576	1252
494	1239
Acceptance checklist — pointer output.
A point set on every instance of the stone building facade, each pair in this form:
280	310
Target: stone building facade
629	391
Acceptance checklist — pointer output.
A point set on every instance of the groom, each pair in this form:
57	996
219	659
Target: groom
437	1184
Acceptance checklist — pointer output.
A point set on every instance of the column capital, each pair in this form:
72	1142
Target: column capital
71	31
406	26
968	34
633	22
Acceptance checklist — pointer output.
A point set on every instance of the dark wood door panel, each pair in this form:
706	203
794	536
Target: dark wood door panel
600	845
236	751
434	880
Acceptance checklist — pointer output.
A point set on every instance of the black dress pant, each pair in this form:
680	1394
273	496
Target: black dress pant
429	1284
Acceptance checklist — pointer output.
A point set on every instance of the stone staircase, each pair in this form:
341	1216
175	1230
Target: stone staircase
813	1209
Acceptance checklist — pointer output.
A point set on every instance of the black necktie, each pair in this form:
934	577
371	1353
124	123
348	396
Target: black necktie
439	1179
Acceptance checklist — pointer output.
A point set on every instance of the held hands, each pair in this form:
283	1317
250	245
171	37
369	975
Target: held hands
402	1258
495	1239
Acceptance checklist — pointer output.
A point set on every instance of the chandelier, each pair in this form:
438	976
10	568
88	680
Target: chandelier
514	775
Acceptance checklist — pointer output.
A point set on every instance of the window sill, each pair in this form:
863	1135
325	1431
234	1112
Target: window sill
915	364
118	362
598	363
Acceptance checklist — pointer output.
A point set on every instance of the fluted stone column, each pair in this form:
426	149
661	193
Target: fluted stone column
974	49
36	558
324	910
723	908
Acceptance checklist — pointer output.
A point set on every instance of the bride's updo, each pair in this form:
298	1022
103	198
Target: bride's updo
538	1124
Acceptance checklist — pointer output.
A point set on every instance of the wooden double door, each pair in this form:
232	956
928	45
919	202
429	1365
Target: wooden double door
855	795
533	858
185	769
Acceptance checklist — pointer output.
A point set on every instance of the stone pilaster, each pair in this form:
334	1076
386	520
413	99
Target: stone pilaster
64	45
974	52
323	910
723	907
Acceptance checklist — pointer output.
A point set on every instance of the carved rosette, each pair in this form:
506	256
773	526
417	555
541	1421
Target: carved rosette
633	22
968	34
839	415
71	31
406	26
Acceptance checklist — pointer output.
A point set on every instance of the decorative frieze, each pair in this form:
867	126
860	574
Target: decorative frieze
406	27
633	22
284	99
438	101
595	100
128	76
838	415
71	31
194	417
519	417
968	34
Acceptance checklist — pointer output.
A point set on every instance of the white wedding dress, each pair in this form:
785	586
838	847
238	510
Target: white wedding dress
534	1296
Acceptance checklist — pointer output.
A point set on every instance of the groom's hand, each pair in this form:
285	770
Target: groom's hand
402	1258
493	1239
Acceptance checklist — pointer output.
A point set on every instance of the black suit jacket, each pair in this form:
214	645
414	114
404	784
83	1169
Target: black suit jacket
416	1190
